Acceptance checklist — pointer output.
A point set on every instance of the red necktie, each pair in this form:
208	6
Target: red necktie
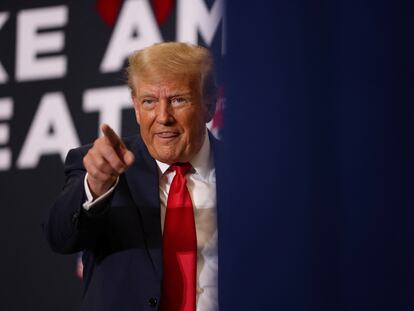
179	246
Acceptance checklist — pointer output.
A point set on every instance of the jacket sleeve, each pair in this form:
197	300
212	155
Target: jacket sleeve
69	228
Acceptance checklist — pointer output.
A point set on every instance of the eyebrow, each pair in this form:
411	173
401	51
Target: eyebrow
174	94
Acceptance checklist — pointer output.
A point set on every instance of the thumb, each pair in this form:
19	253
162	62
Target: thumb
128	157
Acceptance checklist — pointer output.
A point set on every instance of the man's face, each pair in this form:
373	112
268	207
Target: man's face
172	118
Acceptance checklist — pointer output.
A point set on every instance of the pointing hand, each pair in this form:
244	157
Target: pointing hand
106	160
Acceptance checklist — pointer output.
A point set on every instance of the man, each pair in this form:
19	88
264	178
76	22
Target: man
143	209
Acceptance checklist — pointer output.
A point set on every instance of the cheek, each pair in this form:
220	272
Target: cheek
146	122
195	126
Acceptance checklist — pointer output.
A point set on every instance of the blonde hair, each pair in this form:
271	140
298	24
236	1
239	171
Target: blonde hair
174	60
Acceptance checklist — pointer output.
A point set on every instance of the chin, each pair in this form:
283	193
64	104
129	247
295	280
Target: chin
165	158
169	155
166	161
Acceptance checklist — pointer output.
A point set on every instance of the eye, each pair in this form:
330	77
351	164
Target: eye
148	102
179	101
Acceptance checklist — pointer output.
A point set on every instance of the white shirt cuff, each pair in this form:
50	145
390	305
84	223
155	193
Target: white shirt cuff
90	202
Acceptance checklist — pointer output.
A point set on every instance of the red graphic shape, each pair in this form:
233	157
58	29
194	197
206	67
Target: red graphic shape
108	10
162	9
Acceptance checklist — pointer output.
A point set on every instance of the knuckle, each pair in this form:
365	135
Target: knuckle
93	173
85	161
119	168
100	163
96	173
98	145
113	159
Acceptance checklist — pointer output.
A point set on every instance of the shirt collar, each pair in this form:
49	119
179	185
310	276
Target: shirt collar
201	161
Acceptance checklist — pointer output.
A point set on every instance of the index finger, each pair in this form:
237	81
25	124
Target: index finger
113	138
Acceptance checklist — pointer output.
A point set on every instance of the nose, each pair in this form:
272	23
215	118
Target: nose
164	113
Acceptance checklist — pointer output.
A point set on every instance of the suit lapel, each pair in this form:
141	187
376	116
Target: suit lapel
143	182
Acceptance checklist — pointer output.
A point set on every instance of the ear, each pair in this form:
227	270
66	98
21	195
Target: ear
136	108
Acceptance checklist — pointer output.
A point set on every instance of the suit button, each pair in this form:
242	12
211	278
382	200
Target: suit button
152	302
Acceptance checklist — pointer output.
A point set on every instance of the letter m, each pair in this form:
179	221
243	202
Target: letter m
194	18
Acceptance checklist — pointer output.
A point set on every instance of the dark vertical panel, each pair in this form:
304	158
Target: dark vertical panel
264	220
318	185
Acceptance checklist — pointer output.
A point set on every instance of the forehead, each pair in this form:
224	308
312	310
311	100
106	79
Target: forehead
170	84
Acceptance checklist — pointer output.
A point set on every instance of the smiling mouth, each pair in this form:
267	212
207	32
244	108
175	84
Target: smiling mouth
167	135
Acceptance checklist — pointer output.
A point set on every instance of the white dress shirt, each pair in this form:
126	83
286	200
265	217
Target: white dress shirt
201	185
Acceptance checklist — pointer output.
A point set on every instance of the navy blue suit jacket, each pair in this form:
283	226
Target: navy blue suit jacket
121	239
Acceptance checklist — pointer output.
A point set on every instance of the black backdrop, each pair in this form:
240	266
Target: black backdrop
318	131
44	111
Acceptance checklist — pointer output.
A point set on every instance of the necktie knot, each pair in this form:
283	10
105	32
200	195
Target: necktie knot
181	168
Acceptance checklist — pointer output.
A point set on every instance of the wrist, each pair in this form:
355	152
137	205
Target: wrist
99	188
